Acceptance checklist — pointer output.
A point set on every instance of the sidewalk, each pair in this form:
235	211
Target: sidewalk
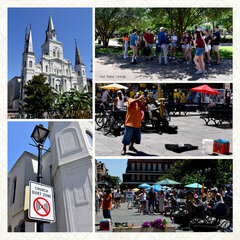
115	68
191	130
131	216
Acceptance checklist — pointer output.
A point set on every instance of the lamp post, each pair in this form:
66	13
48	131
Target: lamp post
198	172
39	136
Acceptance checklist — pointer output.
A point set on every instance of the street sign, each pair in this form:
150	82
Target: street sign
41	202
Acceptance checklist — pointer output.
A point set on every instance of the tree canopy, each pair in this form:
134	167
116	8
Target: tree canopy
121	20
219	171
39	96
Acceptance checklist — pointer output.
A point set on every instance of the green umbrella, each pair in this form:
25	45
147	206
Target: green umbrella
194	185
167	181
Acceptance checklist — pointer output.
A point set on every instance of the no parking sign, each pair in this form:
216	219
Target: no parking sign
41	202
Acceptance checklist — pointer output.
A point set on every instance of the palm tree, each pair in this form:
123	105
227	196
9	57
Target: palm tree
73	104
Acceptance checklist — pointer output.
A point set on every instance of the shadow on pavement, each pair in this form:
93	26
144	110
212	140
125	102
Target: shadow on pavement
140	153
173	70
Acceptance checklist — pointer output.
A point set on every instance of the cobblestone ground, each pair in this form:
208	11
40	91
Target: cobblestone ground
191	130
131	216
116	68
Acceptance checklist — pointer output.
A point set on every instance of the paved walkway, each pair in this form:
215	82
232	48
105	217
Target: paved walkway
191	130
131	216
114	67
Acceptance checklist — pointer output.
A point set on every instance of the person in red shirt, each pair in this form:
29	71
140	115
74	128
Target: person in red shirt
132	133
148	38
200	50
107	204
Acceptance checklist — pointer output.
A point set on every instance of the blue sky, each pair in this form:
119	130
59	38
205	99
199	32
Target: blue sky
69	24
19	138
116	167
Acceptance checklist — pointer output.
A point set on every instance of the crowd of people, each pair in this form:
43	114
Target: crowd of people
150	201
166	44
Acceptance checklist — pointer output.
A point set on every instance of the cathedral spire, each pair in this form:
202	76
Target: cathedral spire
29	43
50	33
78	59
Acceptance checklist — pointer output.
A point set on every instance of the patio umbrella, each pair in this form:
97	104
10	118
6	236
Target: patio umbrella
114	86
167	181
194	185
205	89
157	188
144	186
136	189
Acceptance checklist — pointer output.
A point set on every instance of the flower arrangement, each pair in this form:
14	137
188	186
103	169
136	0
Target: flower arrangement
158	223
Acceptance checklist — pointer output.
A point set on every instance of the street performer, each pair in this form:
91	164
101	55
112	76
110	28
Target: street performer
132	133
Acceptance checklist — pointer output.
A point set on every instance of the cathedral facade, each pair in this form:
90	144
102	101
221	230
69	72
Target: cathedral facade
53	66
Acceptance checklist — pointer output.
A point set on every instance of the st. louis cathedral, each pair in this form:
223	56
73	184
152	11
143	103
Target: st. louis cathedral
59	71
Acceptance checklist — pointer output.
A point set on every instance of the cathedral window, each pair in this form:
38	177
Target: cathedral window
79	73
83	72
58	54
14	185
54	53
46	68
30	64
66	71
75	86
25	63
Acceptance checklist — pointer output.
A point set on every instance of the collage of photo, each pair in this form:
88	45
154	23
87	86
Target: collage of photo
120	120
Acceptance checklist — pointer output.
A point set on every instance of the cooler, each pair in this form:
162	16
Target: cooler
221	146
105	224
207	146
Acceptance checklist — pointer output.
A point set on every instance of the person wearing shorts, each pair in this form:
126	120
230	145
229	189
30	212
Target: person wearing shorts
188	47
200	50
216	43
208	40
143	201
183	45
132	132
173	45
134	45
148	38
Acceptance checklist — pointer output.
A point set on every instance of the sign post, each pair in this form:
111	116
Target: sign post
41	202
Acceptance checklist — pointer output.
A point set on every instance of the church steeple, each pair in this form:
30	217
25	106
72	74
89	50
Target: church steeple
78	59
50	33
28	42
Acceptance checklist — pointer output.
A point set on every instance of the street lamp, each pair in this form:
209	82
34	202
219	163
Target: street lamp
198	172
39	136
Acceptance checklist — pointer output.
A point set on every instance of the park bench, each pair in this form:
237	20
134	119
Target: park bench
181	108
218	116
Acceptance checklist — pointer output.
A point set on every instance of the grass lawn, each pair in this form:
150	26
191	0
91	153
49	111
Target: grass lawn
225	51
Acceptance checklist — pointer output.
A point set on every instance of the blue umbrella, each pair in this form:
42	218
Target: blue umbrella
194	185
157	188
144	186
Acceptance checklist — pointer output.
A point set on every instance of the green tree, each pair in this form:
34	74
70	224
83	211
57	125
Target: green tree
39	97
108	20
114	181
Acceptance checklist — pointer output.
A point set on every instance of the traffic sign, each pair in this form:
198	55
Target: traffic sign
41	202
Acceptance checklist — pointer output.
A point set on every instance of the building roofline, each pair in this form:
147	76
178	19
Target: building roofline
25	153
20	158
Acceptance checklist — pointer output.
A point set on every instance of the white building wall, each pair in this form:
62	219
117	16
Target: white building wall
68	168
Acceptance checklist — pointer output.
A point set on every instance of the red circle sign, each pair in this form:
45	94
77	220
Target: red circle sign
47	211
